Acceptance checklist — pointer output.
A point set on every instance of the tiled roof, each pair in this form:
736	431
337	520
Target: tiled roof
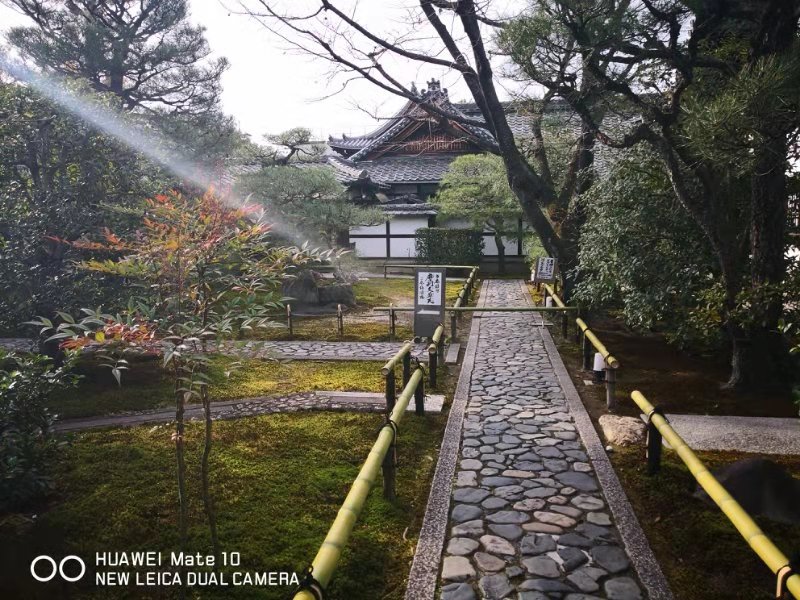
395	169
409	209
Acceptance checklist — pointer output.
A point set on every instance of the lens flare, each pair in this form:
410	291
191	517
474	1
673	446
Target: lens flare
149	143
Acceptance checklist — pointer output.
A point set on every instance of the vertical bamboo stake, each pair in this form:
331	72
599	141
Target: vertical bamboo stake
611	389
289	319
419	398
340	318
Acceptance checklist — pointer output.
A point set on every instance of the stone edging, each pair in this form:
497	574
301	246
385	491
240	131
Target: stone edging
424	574
636	544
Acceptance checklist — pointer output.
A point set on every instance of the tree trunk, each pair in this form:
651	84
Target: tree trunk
764	360
501	253
208	500
183	509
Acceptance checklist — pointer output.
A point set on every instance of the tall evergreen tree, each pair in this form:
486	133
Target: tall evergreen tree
146	52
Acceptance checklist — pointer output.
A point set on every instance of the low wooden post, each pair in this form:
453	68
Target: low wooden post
391	322
340	319
587	353
289	319
453	327
611	389
389	468
544	295
419	398
580	315
653	445
390	392
406	368
564	324
433	360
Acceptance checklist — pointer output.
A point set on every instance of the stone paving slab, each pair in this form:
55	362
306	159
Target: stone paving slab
17	344
528	519
294	350
378	351
760	435
249	407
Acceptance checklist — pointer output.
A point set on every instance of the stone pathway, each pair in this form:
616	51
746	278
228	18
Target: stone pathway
528	520
378	351
17	344
249	407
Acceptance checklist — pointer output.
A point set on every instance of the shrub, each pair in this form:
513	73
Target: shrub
439	246
26	442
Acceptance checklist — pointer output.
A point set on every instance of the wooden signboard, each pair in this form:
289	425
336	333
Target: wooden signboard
429	298
545	270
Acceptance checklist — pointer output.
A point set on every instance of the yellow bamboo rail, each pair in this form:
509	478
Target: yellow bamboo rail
330	551
611	361
392	362
750	531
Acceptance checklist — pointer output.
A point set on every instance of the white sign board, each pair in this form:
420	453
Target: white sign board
545	270
429	288
429	299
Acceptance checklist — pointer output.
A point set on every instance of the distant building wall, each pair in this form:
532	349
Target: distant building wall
397	238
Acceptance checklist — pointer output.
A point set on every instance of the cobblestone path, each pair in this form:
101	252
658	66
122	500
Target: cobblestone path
381	351
378	351
528	520
250	407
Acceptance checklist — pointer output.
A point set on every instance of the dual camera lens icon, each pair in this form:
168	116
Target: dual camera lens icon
44	568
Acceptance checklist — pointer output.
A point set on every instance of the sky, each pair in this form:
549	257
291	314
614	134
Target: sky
271	87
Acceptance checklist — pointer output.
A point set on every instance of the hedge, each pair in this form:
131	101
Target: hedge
440	246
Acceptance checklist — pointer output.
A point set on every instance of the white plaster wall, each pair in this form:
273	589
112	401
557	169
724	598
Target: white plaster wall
407	224
370	247
404	248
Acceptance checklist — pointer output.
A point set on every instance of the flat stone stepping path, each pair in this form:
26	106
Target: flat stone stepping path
528	520
17	344
300	350
761	435
250	407
378	351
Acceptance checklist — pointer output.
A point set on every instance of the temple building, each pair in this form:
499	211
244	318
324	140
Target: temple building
400	165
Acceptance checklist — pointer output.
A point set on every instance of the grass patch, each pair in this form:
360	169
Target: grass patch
278	481
380	292
146	386
325	329
700	551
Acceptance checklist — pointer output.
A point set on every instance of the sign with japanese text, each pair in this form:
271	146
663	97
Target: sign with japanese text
429	286
545	270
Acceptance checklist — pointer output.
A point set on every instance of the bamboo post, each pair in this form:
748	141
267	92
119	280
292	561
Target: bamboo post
453	328
564	324
390	391
587	353
419	398
611	388
433	359
289	319
653	446
406	368
389	469
340	318
391	322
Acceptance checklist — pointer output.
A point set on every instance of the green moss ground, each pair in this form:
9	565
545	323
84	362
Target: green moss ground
700	551
361	324
278	481
145	386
